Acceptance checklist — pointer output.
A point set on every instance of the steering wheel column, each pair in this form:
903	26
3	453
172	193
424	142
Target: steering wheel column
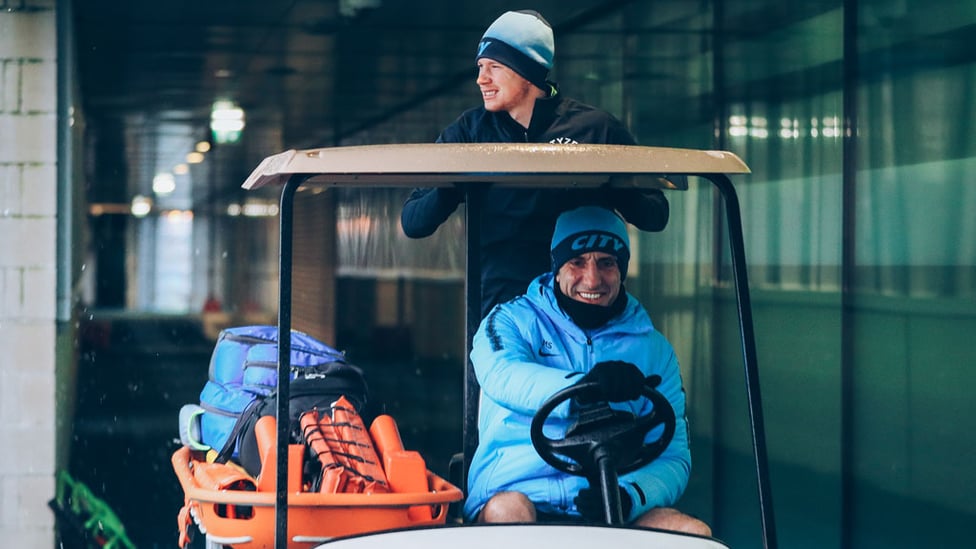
604	443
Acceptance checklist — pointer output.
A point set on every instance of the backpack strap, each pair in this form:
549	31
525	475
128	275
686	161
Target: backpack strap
234	437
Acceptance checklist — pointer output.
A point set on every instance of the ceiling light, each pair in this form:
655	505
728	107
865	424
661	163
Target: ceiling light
203	146
194	158
141	206
163	183
226	121
181	169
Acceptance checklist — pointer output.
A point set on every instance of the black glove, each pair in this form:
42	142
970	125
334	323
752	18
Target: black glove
589	503
617	381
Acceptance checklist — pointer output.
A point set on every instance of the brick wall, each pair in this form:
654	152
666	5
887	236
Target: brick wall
28	201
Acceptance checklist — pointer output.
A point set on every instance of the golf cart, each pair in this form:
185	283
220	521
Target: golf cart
601	447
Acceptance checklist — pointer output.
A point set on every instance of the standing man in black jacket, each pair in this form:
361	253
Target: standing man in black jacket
521	106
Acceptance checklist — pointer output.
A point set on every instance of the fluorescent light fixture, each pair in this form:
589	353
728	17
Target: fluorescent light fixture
253	208
226	121
260	209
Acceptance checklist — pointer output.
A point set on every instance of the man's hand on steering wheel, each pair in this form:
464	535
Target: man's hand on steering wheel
620	433
614	381
589	503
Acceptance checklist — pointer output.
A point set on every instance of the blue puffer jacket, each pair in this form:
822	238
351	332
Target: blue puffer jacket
528	349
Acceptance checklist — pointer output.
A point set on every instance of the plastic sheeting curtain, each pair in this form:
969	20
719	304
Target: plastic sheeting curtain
372	244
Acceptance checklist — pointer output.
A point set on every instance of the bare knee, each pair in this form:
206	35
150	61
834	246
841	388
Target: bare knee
508	507
665	518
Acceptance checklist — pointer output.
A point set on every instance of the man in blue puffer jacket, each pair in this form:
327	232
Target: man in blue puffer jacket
575	324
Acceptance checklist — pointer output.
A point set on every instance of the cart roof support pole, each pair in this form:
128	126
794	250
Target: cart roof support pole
474	195
737	248
287	212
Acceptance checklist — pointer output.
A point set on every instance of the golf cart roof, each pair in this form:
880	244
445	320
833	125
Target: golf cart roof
434	164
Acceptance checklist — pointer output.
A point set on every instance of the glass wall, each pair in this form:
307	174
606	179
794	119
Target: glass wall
914	275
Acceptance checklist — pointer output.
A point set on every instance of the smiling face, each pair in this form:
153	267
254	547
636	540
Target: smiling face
503	89
593	277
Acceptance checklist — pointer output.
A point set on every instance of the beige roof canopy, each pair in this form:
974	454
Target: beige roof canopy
437	164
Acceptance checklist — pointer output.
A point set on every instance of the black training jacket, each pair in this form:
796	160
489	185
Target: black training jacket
517	224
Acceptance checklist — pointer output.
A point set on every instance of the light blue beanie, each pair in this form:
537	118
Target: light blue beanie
590	229
522	41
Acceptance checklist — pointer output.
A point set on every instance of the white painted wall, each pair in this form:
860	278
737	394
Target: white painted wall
28	248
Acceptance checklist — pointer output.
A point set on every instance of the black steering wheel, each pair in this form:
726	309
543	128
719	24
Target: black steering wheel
603	439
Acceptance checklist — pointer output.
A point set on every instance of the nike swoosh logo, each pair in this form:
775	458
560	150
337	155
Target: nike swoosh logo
543	352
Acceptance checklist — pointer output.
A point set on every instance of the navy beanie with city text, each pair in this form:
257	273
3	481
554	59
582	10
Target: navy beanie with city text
590	229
